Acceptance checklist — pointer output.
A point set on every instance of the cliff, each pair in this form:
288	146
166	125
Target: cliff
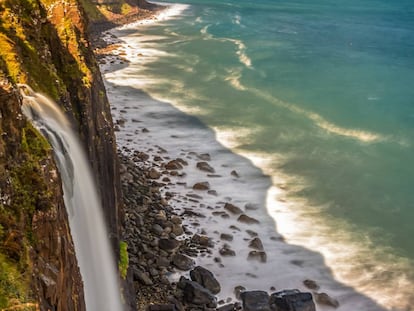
45	44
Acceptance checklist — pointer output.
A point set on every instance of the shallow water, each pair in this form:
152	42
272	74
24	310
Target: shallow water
318	96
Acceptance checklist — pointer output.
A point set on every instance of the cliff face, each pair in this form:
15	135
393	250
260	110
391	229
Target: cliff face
44	43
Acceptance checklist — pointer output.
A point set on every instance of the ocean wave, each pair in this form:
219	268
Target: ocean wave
234	79
321	122
171	11
237	19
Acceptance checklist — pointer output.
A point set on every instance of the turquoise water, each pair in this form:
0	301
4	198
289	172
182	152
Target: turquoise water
322	92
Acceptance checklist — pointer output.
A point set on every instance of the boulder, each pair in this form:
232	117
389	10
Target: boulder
325	299
292	300
141	277
206	279
154	174
311	284
228	307
202	240
169	245
201	186
232	208
196	294
256	243
164	307
255	301
204	166
226	237
183	262
238	290
257	255
173	165
247	220
227	251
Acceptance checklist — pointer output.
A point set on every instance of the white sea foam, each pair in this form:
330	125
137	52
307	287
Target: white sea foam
233	77
237	19
170	11
360	135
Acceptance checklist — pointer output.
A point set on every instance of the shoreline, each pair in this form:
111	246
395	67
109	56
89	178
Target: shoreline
118	61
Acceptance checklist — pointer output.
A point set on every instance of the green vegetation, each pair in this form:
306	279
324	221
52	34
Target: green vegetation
14	285
123	259
29	192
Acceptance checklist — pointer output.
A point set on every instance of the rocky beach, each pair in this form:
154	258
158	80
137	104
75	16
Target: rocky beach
185	233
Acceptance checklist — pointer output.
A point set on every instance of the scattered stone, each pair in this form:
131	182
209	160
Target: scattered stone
183	262
228	307
157	229
173	165
311	284
325	299
196	294
255	301
234	228
232	208
292	300
247	220
164	307
176	220
145	130
251	233
193	195
257	255
202	240
169	245
201	186
256	243
206	279
177	230
226	237
238	290
212	192
226	251
154	174
251	206
204	166
204	156
142	277
235	174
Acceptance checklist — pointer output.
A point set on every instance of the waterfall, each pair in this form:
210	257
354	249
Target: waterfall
86	221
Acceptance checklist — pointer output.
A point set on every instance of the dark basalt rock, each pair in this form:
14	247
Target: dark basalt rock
292	300
256	243
183	262
255	301
325	299
206	279
169	245
233	209
196	294
247	220
164	307
311	284
173	165
201	186
257	255
227	251
204	166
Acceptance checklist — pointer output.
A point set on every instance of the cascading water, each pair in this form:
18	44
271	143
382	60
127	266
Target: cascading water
86	222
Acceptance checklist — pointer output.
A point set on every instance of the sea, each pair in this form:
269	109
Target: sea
312	102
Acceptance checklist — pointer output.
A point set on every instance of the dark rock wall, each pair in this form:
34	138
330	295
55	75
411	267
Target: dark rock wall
44	43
